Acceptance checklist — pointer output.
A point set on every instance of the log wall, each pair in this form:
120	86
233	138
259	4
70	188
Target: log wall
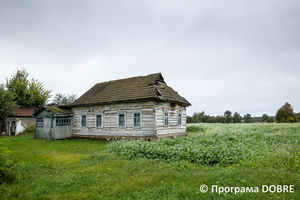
110	120
152	120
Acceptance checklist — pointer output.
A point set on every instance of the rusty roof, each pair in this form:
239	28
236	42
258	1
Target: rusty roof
140	88
24	112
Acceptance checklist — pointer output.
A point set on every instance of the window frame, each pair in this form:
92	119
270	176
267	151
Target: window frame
39	121
81	118
166	111
137	112
179	113
121	113
101	118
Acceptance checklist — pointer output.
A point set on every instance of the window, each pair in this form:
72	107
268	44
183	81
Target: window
136	118
122	119
39	121
98	120
63	121
166	118
179	119
83	120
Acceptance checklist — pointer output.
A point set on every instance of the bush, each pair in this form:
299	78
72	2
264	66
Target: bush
194	128
8	171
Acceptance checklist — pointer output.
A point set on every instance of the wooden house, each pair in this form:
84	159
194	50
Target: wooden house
137	107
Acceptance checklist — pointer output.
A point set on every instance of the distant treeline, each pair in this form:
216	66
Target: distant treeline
285	114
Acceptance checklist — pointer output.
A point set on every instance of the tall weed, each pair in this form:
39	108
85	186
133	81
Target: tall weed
8	171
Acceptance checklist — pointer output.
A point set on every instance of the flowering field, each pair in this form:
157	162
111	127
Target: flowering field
252	145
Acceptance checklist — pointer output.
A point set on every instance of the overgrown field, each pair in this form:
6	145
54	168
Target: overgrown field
226	155
252	145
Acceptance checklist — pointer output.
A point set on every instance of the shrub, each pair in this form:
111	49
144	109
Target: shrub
194	128
8	172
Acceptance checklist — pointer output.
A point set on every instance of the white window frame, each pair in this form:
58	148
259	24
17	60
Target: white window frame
179	113
99	114
166	111
137	112
121	113
86	119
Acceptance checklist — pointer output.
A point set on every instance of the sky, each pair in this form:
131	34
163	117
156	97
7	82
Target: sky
235	55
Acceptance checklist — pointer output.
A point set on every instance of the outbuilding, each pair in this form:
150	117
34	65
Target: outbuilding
18	121
53	122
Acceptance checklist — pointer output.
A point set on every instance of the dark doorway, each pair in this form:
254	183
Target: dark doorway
13	128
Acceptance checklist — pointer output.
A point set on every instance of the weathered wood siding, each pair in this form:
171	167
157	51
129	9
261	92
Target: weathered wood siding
61	132
38	133
110	120
173	126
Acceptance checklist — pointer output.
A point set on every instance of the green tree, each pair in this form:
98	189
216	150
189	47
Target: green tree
220	119
285	114
63	99
28	93
247	118
264	118
189	119
270	120
236	118
7	103
281	116
227	115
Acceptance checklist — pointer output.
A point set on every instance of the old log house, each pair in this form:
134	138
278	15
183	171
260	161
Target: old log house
136	107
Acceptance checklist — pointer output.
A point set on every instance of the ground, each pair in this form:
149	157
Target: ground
85	169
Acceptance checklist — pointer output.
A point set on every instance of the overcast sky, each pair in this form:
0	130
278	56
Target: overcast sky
221	55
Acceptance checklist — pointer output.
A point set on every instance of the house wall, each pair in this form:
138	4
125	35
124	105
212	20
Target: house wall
173	126
38	133
27	120
152	119
110	120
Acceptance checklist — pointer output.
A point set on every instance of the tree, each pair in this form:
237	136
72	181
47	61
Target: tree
236	118
189	119
220	119
200	117
270	120
264	118
62	99
247	118
7	103
285	114
281	116
28	93
227	115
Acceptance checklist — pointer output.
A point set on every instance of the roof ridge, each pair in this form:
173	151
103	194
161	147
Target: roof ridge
159	73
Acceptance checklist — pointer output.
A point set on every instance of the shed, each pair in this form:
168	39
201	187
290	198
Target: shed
53	122
19	121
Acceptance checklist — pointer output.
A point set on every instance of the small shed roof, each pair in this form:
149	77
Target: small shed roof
54	110
24	112
140	88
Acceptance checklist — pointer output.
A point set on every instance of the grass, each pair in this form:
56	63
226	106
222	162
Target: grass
85	169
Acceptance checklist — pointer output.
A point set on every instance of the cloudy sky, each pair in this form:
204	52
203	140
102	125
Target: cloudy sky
220	55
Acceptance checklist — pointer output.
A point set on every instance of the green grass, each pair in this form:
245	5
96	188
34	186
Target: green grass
85	169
